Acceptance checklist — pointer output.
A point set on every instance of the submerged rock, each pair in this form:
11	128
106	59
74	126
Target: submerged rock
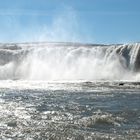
12	124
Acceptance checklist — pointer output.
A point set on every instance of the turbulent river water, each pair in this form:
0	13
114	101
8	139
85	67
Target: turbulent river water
69	91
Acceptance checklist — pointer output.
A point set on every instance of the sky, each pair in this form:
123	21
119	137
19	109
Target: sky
86	21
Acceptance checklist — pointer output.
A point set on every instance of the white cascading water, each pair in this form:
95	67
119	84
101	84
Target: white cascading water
68	61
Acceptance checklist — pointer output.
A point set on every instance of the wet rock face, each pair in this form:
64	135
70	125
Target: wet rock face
10	54
131	55
137	63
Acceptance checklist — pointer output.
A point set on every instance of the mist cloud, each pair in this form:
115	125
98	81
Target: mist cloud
62	26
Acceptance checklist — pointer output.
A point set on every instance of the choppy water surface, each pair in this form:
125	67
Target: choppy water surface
69	110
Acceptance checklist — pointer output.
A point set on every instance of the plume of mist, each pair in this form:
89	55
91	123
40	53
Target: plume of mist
63	26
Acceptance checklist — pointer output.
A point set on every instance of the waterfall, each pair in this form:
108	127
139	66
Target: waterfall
69	61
